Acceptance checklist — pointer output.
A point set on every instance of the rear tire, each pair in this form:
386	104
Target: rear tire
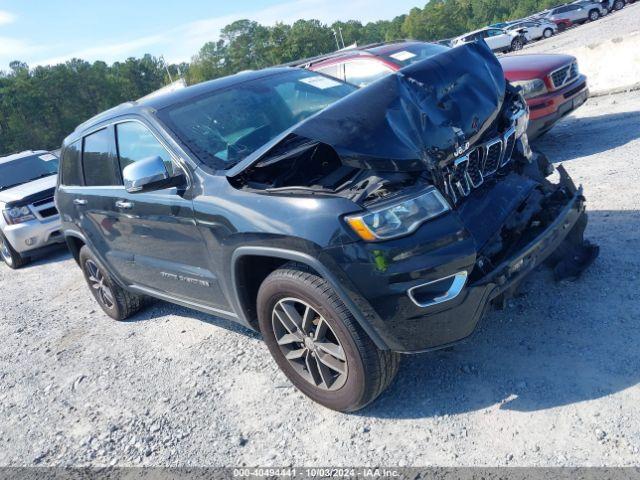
10	256
343	369
618	5
114	300
548	33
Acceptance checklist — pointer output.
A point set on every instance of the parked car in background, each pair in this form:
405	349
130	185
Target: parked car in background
575	13
535	30
499	40
612	5
321	214
29	222
551	84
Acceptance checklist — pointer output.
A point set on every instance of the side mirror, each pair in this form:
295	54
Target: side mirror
148	175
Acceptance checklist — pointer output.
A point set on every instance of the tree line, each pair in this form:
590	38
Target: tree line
40	106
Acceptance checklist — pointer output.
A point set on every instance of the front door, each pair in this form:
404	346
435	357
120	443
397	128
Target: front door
169	253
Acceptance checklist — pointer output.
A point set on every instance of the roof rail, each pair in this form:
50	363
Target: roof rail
338	53
97	117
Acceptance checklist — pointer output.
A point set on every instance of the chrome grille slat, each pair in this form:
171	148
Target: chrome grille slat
470	170
492	157
564	75
474	170
45	208
509	141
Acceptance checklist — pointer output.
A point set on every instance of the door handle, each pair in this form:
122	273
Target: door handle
124	205
79	201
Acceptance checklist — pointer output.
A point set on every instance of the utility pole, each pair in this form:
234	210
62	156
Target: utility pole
336	37
166	67
342	39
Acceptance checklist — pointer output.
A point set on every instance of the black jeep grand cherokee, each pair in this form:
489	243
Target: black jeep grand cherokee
346	225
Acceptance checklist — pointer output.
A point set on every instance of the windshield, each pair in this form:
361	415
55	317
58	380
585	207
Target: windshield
27	169
228	125
407	54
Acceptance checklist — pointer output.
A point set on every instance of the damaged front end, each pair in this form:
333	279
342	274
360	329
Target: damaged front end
452	123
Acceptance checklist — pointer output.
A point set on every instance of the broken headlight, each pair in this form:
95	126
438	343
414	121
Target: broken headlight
531	88
17	215
399	218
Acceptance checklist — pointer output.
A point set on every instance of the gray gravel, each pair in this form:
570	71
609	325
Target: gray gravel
550	380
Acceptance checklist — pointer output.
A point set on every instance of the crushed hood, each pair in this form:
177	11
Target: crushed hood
411	120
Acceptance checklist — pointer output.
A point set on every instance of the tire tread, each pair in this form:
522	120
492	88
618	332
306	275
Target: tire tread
381	365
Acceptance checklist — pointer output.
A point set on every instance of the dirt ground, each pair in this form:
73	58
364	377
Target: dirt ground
551	380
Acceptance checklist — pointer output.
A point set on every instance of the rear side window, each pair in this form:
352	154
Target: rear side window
97	160
71	170
136	142
364	72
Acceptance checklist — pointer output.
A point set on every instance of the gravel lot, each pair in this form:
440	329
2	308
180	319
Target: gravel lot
550	380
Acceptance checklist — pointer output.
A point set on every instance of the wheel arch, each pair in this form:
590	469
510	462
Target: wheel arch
75	241
262	261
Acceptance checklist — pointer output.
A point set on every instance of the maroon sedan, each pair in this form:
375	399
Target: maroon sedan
552	84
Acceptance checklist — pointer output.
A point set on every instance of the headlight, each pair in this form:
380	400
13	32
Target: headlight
398	219
18	215
531	88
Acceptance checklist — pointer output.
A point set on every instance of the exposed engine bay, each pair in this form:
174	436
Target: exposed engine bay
451	121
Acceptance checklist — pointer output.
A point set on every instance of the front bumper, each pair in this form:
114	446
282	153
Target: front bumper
385	277
34	235
547	110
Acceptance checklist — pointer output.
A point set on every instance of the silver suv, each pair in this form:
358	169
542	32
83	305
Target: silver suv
576	13
29	220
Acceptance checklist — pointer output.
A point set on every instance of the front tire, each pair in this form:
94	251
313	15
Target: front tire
115	301
318	344
548	33
594	15
618	5
10	256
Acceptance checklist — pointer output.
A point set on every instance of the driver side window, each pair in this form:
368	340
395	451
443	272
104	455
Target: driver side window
136	142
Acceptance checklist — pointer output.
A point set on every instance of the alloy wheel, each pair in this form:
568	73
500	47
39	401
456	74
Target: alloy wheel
594	16
547	33
309	344
97	283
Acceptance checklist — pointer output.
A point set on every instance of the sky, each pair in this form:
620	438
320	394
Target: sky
41	32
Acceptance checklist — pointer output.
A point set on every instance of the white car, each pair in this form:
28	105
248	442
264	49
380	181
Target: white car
29	220
534	30
499	40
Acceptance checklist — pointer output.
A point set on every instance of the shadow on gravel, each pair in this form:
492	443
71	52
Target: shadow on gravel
589	135
159	308
558	344
56	255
